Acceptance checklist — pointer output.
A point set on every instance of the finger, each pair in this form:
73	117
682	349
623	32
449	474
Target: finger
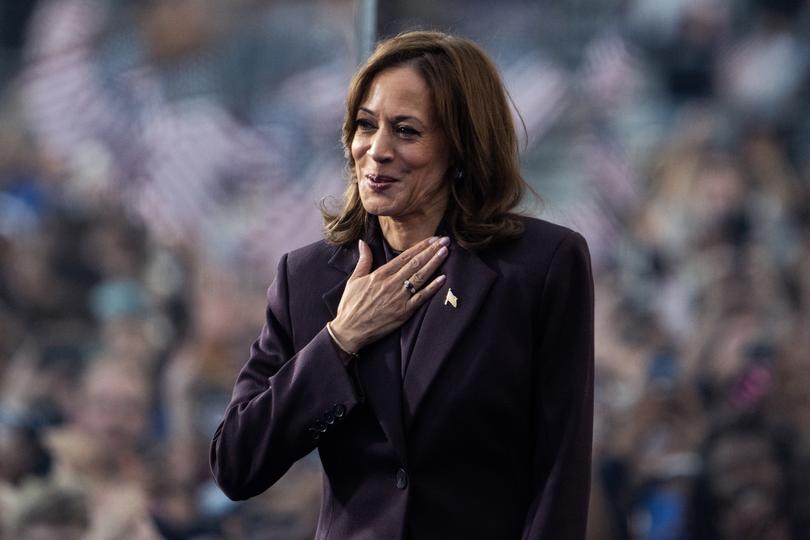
397	263
363	266
422	275
416	265
421	296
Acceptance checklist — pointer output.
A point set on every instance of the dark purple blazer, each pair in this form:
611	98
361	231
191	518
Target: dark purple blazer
489	434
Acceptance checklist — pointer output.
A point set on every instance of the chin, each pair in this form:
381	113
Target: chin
376	211
375	207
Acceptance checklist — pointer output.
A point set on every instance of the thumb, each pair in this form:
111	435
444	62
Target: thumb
364	262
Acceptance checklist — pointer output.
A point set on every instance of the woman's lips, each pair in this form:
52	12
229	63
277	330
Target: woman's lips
379	182
380	179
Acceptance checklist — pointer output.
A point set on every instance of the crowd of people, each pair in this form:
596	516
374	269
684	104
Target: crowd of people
156	159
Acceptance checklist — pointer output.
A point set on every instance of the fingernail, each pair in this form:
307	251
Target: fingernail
443	251
445	241
432	239
441	278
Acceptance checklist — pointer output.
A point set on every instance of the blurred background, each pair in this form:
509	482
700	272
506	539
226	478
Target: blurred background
158	156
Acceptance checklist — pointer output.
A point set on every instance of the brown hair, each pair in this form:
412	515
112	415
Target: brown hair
471	106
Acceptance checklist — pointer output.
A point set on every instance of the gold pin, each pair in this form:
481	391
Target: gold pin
451	298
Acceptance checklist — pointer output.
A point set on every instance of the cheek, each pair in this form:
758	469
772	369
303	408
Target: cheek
358	148
431	168
432	157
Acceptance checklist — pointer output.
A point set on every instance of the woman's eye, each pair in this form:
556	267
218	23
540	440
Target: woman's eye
407	131
364	125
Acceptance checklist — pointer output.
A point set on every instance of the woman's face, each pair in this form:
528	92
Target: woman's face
400	153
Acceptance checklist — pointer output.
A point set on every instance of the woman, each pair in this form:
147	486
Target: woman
435	348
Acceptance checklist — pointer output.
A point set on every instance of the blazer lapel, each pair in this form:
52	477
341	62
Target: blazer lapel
469	279
378	365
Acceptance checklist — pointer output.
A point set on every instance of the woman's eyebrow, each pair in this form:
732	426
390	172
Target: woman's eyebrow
395	119
405	118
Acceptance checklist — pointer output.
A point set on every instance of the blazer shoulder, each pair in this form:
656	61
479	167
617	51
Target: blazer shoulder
531	255
540	229
543	238
314	255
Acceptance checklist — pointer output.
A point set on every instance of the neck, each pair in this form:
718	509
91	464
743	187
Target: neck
404	233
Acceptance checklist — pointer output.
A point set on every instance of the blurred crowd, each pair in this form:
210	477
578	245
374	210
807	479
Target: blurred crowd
156	158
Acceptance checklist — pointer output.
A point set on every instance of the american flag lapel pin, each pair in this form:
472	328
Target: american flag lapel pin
451	298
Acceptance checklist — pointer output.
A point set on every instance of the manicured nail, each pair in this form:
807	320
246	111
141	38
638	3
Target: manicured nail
445	241
443	251
441	278
432	239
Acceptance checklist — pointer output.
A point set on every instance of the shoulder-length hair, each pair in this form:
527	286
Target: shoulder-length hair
471	107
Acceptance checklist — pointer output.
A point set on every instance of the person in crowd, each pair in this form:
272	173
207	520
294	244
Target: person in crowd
743	491
46	511
436	347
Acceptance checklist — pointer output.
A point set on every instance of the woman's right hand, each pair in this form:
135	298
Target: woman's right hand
375	303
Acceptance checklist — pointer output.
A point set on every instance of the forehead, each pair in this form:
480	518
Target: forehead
398	90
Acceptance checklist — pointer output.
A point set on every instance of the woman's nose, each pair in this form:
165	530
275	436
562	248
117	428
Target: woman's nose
381	149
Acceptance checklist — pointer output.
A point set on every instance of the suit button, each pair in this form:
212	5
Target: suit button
339	410
320	426
402	478
329	418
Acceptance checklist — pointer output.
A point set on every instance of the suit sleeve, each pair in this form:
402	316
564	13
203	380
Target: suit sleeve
284	402
563	388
